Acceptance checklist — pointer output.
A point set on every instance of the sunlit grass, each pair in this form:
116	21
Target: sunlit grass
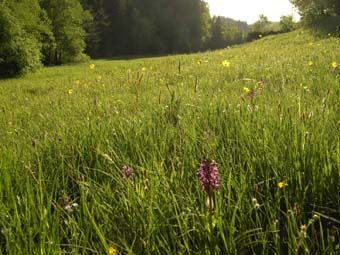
267	117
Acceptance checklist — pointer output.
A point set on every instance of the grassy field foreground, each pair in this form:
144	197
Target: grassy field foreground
102	157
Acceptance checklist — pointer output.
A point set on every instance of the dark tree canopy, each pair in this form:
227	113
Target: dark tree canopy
311	10
147	26
66	18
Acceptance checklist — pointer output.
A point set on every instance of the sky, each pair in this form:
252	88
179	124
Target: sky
250	10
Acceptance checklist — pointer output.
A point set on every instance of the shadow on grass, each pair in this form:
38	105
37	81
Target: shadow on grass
136	57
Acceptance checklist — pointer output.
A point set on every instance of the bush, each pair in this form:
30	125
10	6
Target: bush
287	23
19	52
326	26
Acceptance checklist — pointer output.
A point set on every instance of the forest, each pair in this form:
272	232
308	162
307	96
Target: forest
53	32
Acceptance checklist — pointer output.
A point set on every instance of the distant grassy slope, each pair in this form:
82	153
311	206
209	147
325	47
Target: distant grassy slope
67	131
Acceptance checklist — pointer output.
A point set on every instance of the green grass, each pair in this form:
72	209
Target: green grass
66	133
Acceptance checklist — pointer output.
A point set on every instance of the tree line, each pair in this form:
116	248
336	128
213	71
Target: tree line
316	10
146	26
53	32
37	32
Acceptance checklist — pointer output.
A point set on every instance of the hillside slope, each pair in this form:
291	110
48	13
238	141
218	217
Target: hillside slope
267	112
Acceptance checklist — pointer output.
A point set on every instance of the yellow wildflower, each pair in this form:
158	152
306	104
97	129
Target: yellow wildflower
226	63
77	82
310	63
143	69
112	251
199	62
246	90
70	91
92	66
99	77
282	185
334	64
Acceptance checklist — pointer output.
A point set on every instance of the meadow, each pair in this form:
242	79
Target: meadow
102	157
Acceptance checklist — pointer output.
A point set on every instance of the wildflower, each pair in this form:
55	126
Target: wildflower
68	204
260	36
334	64
70	91
282	185
255	203
210	181
199	62
251	94
226	63
77	82
99	77
316	217
209	176
143	69
329	34
297	209
246	90
127	172
303	231
112	251
92	66
310	63
261	84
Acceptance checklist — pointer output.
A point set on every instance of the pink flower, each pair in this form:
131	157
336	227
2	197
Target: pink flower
209	176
